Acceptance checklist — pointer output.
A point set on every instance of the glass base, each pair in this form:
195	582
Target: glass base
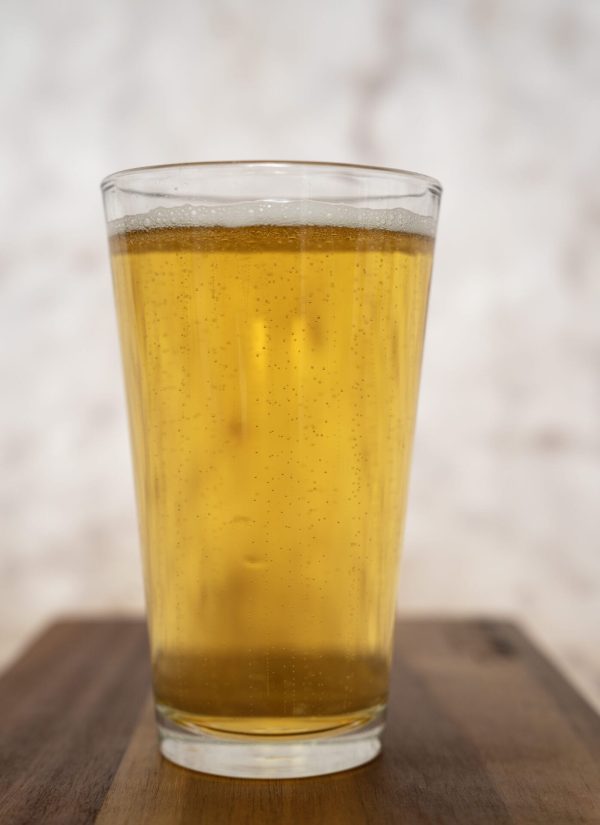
259	758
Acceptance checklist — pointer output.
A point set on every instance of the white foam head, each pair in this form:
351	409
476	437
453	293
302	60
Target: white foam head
277	213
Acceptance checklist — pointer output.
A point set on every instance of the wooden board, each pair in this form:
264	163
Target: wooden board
482	729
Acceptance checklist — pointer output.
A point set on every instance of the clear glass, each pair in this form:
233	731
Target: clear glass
271	317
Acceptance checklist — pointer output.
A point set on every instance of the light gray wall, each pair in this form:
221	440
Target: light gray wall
500	100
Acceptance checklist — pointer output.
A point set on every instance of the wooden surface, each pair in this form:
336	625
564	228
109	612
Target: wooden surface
482	729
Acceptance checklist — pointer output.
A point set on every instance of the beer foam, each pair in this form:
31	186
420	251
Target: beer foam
276	213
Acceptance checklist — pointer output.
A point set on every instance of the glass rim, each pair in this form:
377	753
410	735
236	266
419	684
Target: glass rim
376	171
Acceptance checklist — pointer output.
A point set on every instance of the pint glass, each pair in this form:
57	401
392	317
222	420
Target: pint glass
271	320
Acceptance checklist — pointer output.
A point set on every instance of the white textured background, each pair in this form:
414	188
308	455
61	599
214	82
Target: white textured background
500	100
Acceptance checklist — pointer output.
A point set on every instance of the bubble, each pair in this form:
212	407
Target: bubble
276	213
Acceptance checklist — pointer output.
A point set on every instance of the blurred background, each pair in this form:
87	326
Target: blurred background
499	100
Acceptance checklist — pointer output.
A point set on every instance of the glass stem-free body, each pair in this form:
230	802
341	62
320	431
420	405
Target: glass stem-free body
272	374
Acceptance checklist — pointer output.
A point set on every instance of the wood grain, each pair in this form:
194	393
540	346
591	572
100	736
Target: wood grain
68	708
482	729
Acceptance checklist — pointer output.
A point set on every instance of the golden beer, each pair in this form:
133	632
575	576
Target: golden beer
272	374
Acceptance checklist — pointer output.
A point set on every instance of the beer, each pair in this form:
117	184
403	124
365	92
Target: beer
272	372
